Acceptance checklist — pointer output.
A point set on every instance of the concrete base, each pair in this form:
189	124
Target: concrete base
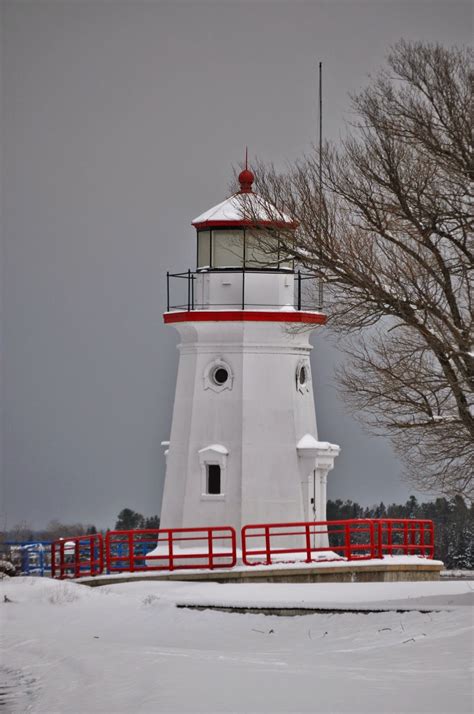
361	572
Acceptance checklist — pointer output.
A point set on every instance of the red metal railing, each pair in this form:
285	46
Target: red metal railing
171	549
404	536
356	539
268	543
78	556
262	543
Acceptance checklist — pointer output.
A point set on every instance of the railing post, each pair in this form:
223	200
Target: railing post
299	289
189	289
267	545
170	550
192	292
308	543
405	538
389	538
131	551
167	291
347	536
209	545
243	289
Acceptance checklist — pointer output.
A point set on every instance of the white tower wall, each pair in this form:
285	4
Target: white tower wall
251	427
259	290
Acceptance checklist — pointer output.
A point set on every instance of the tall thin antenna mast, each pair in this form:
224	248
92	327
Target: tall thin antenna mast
320	174
320	132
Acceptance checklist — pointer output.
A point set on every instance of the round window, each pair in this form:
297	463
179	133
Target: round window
303	377
220	375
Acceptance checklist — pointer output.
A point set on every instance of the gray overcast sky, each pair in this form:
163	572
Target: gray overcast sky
121	121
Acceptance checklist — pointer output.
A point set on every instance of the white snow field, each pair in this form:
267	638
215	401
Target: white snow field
128	648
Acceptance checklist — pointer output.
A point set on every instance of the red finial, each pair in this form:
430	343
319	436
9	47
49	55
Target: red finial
246	177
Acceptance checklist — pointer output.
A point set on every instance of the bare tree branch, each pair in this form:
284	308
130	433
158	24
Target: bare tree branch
392	238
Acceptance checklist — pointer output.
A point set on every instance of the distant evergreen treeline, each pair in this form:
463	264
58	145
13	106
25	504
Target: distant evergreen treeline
453	523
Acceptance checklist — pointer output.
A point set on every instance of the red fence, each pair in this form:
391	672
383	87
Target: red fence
357	539
268	543
262	544
404	536
77	557
170	549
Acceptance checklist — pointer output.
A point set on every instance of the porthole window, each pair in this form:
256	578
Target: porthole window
218	376
303	377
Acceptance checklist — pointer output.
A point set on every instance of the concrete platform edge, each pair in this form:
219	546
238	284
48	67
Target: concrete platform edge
356	573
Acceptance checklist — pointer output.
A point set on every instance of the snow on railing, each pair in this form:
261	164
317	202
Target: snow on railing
215	547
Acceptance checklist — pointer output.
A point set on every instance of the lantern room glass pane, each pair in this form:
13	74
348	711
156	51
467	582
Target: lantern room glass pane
227	249
286	261
204	249
261	251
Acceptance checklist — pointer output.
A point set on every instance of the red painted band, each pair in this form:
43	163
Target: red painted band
243	222
317	318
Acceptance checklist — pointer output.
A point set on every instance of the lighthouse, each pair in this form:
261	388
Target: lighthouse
244	444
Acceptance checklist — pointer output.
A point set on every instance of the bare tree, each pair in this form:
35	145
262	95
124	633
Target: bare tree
388	229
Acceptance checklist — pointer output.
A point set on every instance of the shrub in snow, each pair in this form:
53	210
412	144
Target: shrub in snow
7	568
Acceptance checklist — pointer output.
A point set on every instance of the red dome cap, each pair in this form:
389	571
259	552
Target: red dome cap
246	179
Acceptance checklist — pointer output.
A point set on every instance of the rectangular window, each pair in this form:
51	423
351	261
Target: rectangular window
204	249
213	479
285	261
227	249
261	250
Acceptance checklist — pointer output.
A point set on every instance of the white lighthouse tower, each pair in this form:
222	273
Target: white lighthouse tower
244	444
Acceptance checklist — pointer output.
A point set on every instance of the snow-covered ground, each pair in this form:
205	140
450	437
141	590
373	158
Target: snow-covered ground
128	648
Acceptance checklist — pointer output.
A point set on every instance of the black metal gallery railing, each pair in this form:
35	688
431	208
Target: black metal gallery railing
308	291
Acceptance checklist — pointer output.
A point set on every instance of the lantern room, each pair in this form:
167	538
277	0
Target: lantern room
243	259
242	233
